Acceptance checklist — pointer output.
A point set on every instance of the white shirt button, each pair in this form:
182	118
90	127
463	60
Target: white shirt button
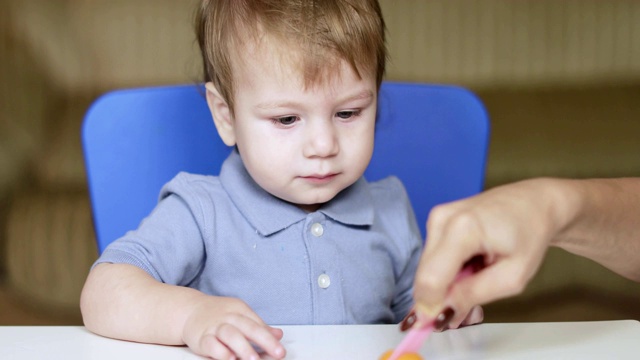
324	281
317	230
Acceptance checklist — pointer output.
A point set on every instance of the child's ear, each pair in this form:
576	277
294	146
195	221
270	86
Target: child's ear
221	115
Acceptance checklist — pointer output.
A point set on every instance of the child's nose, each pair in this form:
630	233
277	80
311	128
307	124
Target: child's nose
321	140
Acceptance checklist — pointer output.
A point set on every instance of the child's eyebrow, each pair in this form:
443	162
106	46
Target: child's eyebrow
363	95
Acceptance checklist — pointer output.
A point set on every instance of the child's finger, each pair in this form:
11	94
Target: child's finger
264	336
211	347
278	333
236	341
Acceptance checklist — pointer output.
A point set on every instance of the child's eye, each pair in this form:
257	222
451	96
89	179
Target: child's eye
285	120
347	114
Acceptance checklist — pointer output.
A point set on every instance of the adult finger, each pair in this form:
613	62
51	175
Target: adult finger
474	316
436	224
440	264
501	279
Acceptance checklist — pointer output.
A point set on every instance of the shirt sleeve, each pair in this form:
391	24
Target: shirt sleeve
169	243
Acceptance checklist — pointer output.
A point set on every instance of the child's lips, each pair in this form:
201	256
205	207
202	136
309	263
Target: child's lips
319	178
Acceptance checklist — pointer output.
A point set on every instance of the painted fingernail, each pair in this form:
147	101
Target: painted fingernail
408	321
443	319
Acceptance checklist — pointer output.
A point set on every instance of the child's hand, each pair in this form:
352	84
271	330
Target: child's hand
225	328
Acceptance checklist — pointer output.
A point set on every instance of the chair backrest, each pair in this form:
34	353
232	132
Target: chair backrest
433	137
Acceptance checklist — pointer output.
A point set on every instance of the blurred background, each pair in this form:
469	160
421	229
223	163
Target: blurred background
560	80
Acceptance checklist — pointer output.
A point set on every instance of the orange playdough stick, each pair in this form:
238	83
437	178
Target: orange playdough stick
405	356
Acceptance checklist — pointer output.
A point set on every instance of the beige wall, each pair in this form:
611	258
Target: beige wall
89	44
56	56
103	44
514	43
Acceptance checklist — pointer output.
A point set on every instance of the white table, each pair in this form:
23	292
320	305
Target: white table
575	340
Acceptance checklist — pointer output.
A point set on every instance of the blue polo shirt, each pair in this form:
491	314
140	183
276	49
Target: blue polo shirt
351	262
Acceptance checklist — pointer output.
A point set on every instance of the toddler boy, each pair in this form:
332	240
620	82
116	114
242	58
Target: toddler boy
289	232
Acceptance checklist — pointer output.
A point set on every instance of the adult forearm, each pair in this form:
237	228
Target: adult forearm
605	225
124	302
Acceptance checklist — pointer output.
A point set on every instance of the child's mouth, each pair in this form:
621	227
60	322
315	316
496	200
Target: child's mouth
319	179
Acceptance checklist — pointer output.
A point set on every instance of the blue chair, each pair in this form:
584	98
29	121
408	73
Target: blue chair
434	138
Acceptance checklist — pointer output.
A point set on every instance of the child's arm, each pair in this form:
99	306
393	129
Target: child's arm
124	302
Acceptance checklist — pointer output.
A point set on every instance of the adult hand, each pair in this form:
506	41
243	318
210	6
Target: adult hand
509	226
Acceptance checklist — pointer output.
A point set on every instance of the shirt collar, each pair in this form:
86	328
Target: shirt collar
269	214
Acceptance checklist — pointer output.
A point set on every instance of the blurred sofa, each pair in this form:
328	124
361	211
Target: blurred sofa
58	56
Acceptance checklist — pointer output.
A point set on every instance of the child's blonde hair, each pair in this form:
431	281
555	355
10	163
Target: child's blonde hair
322	32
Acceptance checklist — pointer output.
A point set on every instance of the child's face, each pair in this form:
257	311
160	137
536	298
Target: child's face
303	145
